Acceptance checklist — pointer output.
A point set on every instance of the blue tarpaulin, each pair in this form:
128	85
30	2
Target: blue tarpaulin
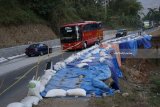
92	77
129	47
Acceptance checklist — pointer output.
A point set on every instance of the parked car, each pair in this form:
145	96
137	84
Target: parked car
37	49
121	33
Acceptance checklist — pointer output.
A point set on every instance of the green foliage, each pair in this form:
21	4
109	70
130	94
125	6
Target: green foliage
155	92
153	15
11	13
58	12
156	82
125	12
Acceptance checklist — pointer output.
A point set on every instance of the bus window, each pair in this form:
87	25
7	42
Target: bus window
99	25
86	28
70	34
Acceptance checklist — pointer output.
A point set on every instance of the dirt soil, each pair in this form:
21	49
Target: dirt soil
64	102
156	33
23	34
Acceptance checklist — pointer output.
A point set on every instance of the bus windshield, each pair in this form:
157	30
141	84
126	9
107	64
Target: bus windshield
70	34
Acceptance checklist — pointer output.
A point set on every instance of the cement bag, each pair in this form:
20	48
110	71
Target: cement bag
34	88
81	65
76	92
30	100
56	93
16	104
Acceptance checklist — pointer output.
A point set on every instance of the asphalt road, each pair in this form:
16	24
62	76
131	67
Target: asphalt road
19	91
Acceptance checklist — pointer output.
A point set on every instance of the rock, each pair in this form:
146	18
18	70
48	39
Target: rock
125	94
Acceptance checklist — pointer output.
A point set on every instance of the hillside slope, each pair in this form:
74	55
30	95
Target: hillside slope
23	34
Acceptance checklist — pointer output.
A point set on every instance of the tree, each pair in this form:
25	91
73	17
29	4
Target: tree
153	15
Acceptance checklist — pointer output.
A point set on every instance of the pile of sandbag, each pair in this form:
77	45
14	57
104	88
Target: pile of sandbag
28	101
63	93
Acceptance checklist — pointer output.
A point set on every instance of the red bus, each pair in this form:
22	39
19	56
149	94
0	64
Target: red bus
80	35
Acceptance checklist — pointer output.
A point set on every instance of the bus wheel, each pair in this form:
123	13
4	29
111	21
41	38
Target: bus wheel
84	45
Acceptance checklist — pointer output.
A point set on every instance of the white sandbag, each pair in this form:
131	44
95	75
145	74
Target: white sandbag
95	51
88	55
102	53
30	100
59	65
56	93
80	53
102	59
47	76
70	59
16	104
86	60
34	88
50	72
76	92
44	82
81	65
84	51
45	79
42	87
91	58
108	56
108	47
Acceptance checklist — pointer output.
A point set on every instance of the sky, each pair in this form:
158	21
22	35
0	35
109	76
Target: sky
149	4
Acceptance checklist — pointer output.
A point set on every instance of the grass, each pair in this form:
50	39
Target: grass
155	92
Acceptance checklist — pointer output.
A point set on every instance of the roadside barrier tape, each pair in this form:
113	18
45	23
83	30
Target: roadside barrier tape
17	80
